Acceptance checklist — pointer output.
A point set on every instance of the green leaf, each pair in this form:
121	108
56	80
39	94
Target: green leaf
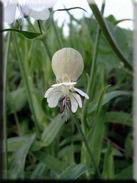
52	130
107	98
36	100
125	174
109	36
51	162
15	143
96	133
73	172
128	145
17	165
29	35
108	168
120	117
38	171
16	100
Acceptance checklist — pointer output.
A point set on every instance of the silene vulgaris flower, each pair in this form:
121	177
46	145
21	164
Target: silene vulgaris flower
67	65
16	9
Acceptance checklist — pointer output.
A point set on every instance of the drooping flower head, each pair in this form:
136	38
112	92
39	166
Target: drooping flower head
67	65
16	9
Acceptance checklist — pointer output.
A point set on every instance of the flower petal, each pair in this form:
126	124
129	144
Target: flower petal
54	99
81	93
78	98
24	10
48	92
52	90
10	13
40	15
40	5
74	104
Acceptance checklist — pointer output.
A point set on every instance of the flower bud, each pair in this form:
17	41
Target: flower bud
67	65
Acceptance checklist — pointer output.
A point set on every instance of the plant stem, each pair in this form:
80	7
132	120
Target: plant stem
91	79
5	107
26	82
92	69
39	26
47	49
57	35
17	124
87	146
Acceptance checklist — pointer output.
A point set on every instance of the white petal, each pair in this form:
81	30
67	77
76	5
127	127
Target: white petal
74	104
81	93
54	99
78	98
51	91
24	10
40	5
65	84
48	92
10	13
40	15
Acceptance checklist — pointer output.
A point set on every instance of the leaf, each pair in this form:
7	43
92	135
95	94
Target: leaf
95	137
15	143
29	35
120	117
108	167
38	171
52	130
125	174
109	36
16	100
107	98
73	172
128	145
51	162
36	99
17	165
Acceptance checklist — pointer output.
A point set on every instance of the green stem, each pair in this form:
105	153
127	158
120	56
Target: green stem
91	79
57	35
47	49
39	26
92	69
17	124
87	146
26	82
104	27
5	107
43	40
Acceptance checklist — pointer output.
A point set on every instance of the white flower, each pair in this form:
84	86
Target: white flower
67	65
67	94
37	9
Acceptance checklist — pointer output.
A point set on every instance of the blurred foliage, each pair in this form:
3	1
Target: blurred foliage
57	152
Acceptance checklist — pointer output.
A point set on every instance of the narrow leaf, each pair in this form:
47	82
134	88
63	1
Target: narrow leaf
108	168
52	130
120	117
29	35
73	172
16	169
51	162
126	174
107	98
